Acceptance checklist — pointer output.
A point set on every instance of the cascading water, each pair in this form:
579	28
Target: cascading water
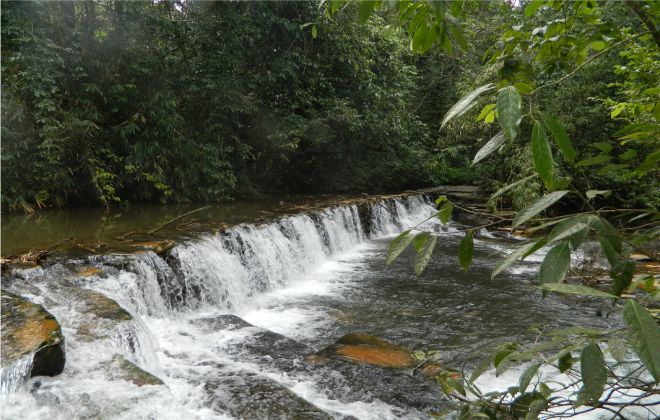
224	272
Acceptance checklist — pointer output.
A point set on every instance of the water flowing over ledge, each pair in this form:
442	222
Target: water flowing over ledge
217	272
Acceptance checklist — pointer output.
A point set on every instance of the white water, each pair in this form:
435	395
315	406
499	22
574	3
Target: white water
231	272
257	272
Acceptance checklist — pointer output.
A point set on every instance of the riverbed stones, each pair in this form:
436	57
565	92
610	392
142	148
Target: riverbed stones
28	329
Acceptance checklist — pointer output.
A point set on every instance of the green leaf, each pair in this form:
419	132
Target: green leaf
444	214
568	227
509	114
565	362
610	242
365	10
314	31
561	137
622	273
526	377
617	349
594	373
464	102
537	207
493	144
481	367
465	249
517	254
397	246
542	155
420	240
595	160
593	193
643	336
575	289
532	7
510	186
424	255
555	264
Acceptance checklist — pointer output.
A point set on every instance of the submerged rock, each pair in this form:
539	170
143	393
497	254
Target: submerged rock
247	395
366	349
120	368
27	328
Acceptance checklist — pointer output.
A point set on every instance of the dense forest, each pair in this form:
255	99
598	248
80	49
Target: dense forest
110	102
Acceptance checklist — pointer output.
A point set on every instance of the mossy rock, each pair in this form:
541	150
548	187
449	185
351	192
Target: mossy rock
28	328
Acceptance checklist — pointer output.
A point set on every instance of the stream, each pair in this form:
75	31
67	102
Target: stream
225	320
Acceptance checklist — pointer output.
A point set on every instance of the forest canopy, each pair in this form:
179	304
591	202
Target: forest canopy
109	102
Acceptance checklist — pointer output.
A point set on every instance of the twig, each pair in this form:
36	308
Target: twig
52	248
151	232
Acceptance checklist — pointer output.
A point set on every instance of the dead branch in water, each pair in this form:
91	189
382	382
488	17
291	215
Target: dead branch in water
151	232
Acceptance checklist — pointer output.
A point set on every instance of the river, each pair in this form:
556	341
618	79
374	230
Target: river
297	282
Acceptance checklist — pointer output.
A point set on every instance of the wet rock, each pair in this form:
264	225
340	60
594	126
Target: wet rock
367	349
250	396
27	329
159	247
120	368
261	344
88	271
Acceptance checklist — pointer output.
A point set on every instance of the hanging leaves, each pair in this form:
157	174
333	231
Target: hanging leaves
424	255
465	249
397	246
561	137
509	114
465	102
555	264
493	144
542	155
537	207
594	373
643	336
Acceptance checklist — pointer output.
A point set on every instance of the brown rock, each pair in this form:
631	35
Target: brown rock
367	349
159	247
27	328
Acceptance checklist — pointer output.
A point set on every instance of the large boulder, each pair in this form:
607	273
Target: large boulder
29	329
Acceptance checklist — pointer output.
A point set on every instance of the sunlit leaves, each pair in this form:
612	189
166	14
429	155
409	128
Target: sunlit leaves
643	336
569	227
594	373
517	254
465	103
509	113
537	206
465	250
444	214
542	155
424	254
555	264
493	144
397	246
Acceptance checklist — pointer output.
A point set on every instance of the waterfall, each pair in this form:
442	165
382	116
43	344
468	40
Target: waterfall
218	272
227	269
